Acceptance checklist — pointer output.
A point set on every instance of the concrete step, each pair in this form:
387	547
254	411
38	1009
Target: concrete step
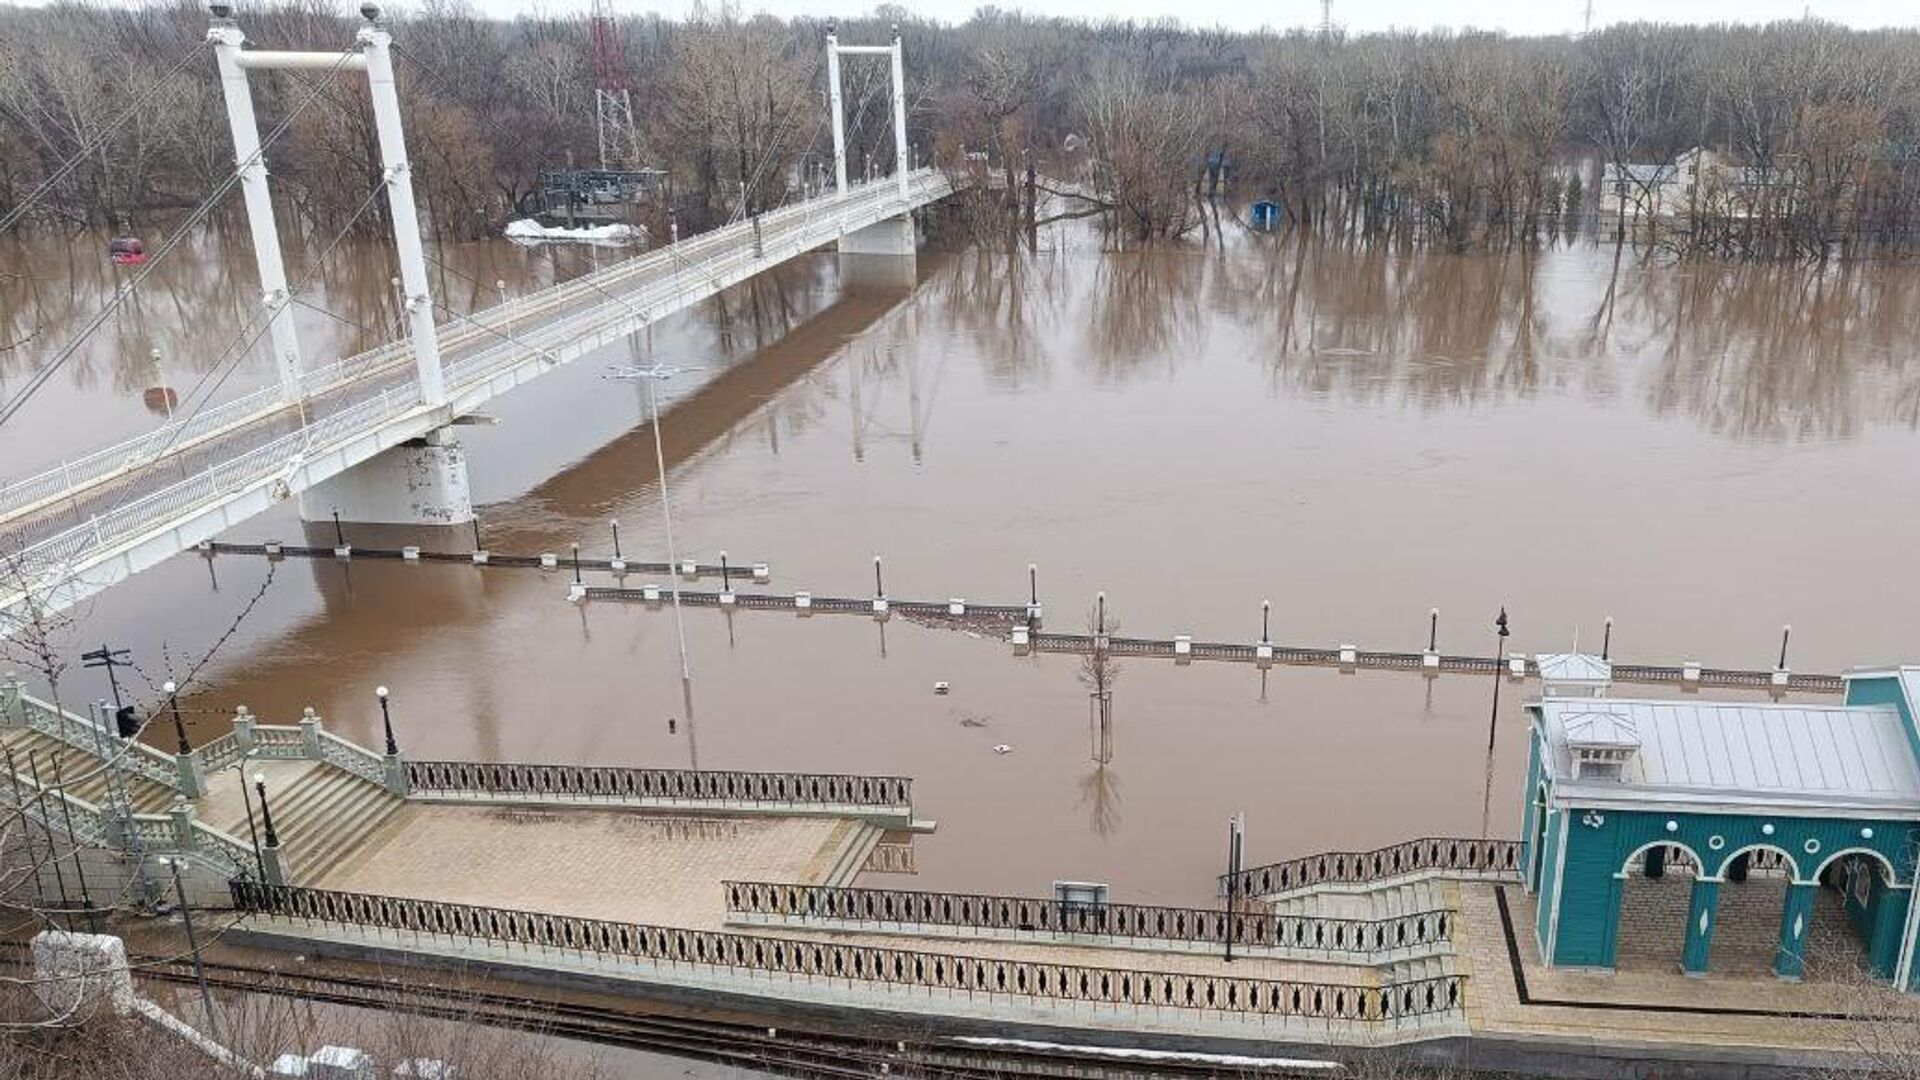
324	816
81	772
348	840
861	840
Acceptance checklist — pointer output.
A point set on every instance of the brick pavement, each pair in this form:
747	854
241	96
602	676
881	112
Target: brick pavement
1494	1007
608	864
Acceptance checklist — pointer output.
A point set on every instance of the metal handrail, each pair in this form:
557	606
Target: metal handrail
830	906
616	783
1443	855
843	963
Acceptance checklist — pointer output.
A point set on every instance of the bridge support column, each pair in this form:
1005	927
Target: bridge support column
423	482
882	255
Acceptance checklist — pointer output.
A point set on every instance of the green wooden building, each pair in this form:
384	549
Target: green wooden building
1823	800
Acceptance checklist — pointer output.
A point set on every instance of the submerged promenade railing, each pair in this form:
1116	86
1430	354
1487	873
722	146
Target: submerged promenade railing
1457	857
829	907
878	967
1020	623
717	787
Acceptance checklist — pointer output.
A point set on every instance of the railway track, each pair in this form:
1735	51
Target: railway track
814	1054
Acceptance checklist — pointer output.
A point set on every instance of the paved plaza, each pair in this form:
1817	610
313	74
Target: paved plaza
604	864
1649	1001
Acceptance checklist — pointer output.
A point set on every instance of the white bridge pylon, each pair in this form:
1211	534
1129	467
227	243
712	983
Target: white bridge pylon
373	54
895	235
369	442
898	97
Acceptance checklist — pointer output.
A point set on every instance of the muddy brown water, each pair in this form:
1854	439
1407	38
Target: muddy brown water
1702	452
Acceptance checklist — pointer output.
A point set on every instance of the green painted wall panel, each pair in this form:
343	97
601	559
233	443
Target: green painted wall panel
1549	892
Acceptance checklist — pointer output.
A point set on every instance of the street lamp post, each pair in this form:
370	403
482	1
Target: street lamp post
386	720
160	381
253	834
266	811
193	945
653	376
1499	662
173	705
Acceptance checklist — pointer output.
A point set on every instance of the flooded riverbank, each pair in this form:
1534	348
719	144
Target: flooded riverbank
1702	452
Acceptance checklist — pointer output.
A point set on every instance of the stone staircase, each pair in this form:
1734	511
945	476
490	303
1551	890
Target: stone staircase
846	851
1388	900
321	817
81	772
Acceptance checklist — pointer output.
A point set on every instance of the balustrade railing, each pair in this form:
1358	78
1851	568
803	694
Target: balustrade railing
56	809
877	966
219	753
84	734
352	757
93	825
493	780
279	742
833	907
1463	857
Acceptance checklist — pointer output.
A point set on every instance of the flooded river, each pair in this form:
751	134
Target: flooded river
1702	452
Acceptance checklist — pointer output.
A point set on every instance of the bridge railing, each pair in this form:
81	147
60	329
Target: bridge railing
50	483
841	964
716	788
283	453
907	911
277	456
1445	856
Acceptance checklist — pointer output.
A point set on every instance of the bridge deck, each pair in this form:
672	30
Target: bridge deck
102	517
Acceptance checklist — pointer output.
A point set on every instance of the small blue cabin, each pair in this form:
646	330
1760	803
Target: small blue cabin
1266	215
1735	837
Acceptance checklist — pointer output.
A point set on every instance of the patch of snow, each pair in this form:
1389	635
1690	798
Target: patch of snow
527	230
1238	1061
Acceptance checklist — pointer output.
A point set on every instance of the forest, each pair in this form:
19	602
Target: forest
1462	139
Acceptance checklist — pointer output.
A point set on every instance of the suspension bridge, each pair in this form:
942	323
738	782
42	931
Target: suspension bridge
371	435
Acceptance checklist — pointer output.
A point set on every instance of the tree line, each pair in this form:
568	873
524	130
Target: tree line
1462	139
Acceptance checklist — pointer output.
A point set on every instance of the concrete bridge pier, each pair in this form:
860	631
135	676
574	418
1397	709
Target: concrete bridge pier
420	482
882	255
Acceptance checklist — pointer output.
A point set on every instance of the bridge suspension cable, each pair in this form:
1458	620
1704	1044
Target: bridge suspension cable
88	148
193	221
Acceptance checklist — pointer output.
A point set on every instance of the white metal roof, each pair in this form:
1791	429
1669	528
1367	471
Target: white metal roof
1741	756
1573	667
1599	727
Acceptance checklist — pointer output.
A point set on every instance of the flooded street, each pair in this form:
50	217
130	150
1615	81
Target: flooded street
1703	452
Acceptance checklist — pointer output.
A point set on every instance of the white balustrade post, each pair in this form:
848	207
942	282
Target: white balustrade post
182	813
310	733
834	107
227	39
899	115
244	723
377	44
270	866
12	712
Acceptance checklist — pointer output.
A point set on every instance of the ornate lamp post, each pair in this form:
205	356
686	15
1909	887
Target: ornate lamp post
1499	663
386	719
173	705
266	811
